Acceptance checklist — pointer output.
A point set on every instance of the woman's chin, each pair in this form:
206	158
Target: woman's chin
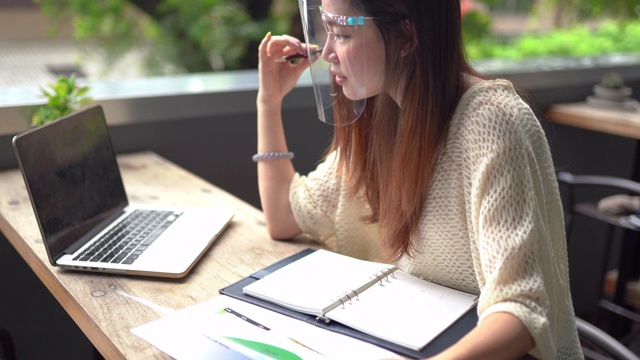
354	95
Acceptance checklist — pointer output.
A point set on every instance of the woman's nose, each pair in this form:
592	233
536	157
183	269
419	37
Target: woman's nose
328	52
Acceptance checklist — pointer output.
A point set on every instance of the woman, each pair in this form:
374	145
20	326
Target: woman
439	170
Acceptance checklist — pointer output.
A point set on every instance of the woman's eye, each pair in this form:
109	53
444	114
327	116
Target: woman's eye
337	37
341	36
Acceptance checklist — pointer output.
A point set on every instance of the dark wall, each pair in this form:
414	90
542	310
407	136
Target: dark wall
220	149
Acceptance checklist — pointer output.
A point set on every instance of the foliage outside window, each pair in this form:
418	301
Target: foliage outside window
578	28
179	36
208	35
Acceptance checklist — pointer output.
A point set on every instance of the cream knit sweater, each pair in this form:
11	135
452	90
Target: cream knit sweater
492	224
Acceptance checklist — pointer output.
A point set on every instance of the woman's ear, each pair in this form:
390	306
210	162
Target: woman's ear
409	38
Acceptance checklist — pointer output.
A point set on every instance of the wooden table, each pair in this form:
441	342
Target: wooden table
106	306
611	121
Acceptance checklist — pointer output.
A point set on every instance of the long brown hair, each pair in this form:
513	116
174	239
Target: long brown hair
391	151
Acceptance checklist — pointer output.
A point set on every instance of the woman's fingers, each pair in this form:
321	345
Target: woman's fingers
281	46
262	48
278	77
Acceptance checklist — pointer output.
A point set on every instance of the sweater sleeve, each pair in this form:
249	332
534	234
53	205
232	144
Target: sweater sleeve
314	199
508	218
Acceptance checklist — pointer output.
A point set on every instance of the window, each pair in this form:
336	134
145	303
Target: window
550	34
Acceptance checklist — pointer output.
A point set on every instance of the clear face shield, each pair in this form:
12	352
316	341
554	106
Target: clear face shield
334	33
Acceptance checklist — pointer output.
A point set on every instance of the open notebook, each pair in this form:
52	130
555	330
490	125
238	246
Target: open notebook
74	183
374	298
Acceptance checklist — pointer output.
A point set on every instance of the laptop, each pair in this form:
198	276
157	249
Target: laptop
79	200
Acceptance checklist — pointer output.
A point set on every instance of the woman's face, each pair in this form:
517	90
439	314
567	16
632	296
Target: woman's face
356	53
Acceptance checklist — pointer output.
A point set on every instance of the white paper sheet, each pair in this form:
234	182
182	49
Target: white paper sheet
245	331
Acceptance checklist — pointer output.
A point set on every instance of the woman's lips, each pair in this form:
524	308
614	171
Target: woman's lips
340	79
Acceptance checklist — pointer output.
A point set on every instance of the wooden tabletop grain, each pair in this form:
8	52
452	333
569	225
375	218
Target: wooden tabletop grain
611	121
105	306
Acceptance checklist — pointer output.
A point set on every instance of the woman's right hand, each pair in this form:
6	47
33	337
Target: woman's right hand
278	78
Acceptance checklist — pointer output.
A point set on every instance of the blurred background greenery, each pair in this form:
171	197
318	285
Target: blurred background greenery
573	28
212	35
178	36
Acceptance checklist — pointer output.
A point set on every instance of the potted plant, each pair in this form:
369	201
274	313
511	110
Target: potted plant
63	97
612	93
612	88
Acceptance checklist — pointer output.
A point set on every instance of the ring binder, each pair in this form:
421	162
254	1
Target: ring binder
384	274
376	278
449	335
417	304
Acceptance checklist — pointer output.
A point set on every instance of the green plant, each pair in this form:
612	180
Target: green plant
175	36
476	25
568	13
63	97
612	80
579	41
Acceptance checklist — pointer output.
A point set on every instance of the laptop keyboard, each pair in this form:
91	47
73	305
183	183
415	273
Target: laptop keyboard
126	241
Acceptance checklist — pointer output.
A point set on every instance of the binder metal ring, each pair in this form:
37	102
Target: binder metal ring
348	297
387	273
379	279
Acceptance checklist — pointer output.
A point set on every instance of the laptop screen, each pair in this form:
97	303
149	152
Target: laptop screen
72	175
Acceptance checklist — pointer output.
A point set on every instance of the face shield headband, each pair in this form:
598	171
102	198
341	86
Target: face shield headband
337	53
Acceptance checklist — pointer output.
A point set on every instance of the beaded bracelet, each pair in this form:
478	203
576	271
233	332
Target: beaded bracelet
272	156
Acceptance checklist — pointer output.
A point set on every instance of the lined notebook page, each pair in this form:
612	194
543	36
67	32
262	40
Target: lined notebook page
314	282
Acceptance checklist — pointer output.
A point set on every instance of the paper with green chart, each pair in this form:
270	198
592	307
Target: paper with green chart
227	328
